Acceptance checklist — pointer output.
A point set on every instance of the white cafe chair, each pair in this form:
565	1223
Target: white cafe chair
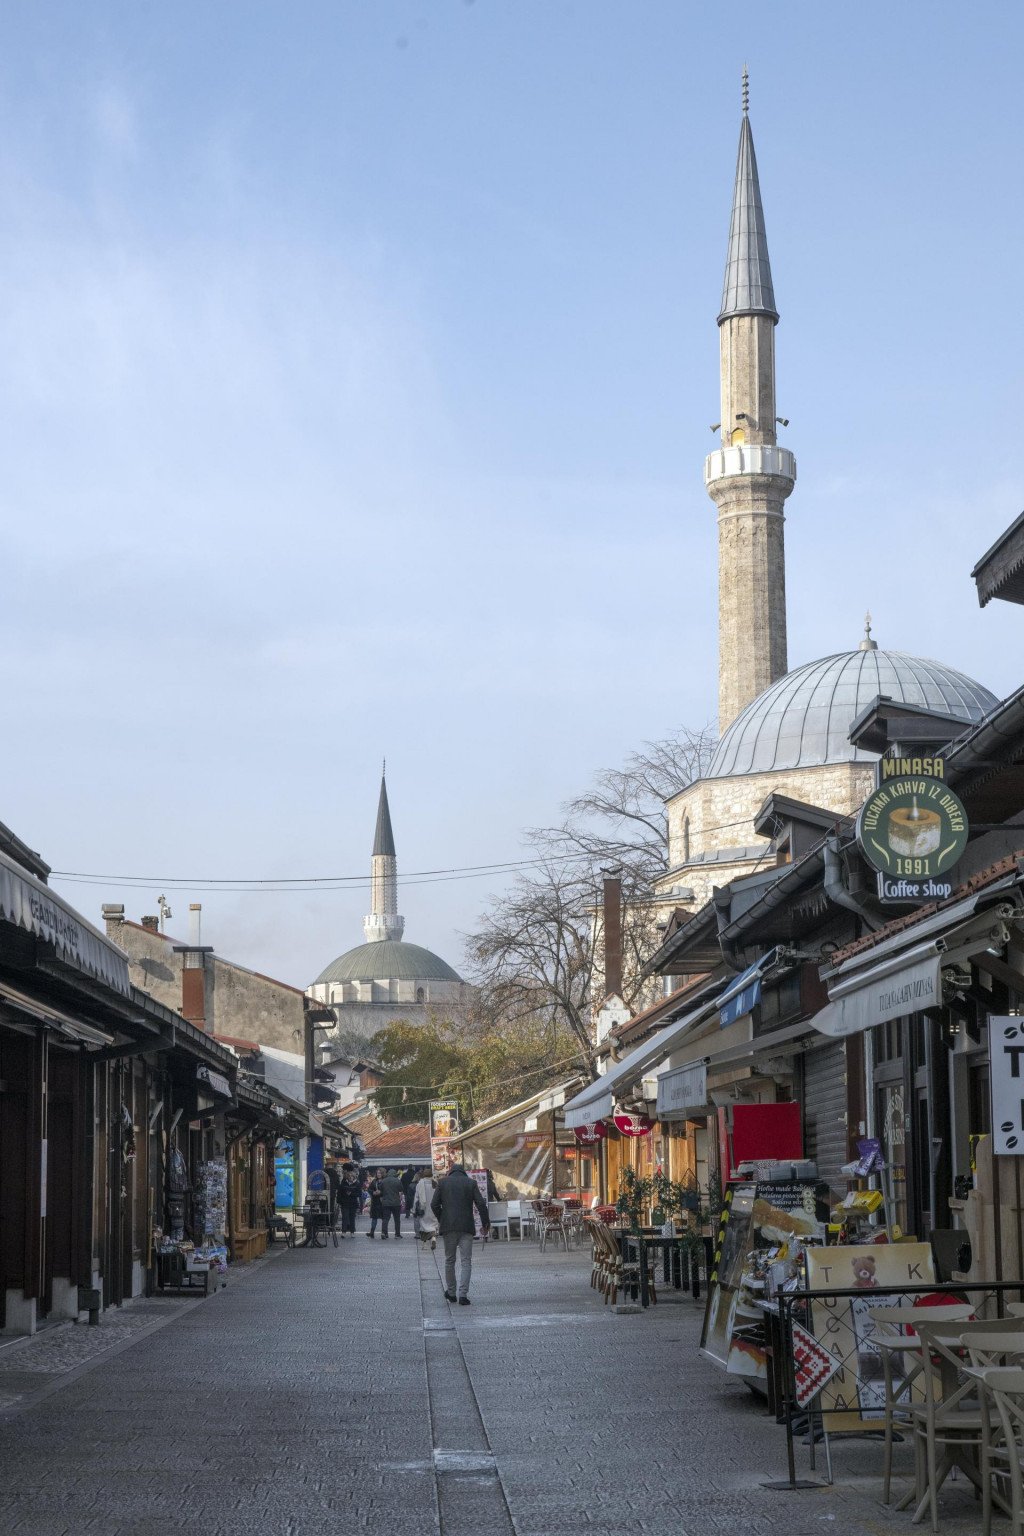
498	1211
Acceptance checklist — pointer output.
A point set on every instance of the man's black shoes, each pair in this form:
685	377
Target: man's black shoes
463	1301
448	1296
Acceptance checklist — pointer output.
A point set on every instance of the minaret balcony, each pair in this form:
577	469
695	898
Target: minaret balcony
750	459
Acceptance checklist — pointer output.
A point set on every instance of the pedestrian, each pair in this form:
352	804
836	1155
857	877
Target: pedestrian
349	1198
334	1184
424	1222
452	1204
376	1202
364	1179
409	1178
391	1203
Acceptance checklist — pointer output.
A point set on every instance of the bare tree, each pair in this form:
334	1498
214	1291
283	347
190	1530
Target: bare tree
534	952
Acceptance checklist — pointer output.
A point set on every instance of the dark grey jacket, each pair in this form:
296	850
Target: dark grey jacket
453	1202
391	1191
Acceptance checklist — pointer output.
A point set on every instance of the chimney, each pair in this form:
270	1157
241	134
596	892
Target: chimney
193	970
113	916
151	924
612	935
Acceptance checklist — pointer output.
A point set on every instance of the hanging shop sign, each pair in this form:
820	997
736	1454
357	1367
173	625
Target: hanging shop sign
632	1125
1006	1074
444	1124
590	1135
444	1118
912	830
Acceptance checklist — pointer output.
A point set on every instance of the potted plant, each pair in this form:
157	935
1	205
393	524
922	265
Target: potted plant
634	1197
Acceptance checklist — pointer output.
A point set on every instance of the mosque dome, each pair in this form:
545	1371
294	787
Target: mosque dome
803	720
388	960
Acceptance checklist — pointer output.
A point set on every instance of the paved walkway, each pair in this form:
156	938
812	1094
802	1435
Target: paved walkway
336	1391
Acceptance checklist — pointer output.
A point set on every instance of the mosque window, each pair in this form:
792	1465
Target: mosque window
421	995
737	436
686	839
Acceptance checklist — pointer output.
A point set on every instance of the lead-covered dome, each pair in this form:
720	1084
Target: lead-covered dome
388	960
804	719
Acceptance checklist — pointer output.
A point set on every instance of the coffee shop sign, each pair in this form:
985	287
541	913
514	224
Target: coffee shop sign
913	830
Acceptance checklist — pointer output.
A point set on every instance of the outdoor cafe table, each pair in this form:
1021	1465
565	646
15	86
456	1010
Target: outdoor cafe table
953	1456
672	1256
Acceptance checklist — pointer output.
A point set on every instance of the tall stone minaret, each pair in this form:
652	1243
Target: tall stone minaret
750	476
383	921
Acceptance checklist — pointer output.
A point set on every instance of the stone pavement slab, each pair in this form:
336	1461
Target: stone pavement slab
336	1391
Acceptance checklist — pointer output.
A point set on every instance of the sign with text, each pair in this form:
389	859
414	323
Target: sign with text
444	1124
1006	1073
842	1325
913	829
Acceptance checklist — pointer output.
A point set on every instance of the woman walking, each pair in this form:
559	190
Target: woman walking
424	1222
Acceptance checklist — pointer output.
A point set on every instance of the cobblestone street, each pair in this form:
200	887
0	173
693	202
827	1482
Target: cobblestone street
335	1391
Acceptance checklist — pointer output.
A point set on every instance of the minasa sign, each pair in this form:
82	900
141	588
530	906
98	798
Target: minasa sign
912	830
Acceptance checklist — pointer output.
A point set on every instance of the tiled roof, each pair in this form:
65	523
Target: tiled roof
978	882
412	1141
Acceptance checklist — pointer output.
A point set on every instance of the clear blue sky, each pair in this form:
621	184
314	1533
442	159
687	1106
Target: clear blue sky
356	364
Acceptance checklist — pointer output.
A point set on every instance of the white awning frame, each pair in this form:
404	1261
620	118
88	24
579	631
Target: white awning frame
900	977
597	1100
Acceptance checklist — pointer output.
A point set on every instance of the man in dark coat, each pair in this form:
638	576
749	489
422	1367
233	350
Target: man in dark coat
348	1196
376	1204
453	1202
391	1202
409	1178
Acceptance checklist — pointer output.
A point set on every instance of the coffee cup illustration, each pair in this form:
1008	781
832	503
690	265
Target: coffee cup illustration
914	831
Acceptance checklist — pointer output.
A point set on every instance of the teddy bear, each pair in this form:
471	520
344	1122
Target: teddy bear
864	1273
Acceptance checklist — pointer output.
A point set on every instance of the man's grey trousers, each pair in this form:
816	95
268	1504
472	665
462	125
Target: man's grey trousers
460	1243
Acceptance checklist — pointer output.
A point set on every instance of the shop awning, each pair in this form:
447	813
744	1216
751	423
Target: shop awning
53	1018
903	974
743	994
596	1101
29	904
683	1091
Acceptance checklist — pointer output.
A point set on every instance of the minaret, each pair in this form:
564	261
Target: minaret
383	921
750	476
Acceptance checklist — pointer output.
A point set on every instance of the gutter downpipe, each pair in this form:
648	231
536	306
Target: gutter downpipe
837	891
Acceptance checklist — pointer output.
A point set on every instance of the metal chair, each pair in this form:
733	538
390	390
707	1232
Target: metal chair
993	1344
892	1342
950	1417
1005	1386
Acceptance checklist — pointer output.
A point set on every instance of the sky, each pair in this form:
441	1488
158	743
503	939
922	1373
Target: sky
357	363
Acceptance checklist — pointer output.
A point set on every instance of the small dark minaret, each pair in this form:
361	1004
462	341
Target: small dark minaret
383	921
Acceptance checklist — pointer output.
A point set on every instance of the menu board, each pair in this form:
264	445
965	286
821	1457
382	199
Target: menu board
856	1393
765	1226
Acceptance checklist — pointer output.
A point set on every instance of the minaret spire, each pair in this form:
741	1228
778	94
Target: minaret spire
750	476
383	921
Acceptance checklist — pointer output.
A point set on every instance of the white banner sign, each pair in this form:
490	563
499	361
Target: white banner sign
1006	1070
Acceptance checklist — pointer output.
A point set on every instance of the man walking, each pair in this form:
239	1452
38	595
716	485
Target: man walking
348	1196
391	1202
453	1202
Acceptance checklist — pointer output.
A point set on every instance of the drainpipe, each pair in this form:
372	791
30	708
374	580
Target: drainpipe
837	891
